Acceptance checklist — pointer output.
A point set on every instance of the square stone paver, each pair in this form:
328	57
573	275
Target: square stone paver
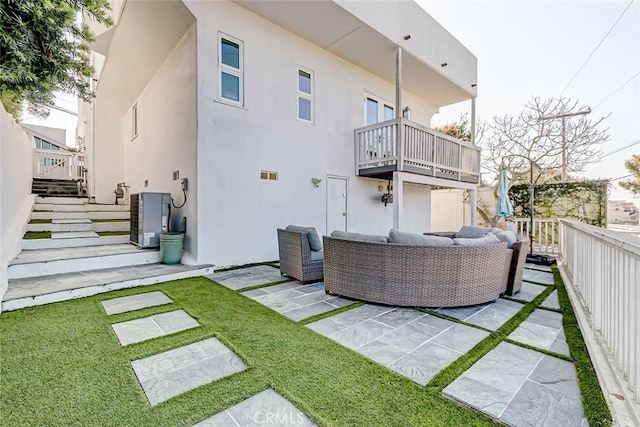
542	329
489	316
297	301
552	301
245	277
166	375
538	267
159	325
410	342
521	387
536	276
265	408
135	302
529	291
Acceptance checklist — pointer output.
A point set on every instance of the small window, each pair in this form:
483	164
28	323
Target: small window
231	70
269	175
38	142
55	147
46	145
134	121
305	95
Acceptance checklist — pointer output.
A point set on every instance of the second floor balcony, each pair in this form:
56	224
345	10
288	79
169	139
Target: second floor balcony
421	150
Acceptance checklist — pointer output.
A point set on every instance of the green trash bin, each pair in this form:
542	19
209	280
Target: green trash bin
171	247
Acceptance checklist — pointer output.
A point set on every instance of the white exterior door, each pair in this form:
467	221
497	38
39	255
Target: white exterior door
336	204
377	110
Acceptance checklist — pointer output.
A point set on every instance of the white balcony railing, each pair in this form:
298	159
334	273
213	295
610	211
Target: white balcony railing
603	267
423	150
546	233
58	165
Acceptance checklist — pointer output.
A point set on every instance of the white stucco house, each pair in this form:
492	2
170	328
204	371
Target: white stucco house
278	112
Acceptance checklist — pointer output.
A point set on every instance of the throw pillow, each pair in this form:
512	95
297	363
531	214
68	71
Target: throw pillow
481	241
472	232
397	236
315	244
506	236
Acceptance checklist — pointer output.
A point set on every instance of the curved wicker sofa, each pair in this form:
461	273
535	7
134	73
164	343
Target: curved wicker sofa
415	276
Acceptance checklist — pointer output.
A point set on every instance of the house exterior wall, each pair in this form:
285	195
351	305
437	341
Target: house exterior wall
108	151
239	212
166	139
16	201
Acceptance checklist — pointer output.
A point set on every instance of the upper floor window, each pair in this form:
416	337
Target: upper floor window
44	144
231	70
305	95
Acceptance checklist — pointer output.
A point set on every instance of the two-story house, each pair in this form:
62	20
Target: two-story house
278	112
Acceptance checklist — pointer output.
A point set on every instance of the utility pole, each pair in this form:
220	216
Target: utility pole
564	116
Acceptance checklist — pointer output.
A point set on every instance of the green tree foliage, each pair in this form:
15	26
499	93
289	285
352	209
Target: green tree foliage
44	48
633	166
457	128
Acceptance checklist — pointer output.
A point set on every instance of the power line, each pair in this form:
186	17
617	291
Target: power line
596	48
621	177
617	90
631	144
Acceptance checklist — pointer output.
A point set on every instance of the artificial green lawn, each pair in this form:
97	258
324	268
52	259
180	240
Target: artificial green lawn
62	365
29	235
112	233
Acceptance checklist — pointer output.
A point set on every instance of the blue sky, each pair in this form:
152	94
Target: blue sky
527	48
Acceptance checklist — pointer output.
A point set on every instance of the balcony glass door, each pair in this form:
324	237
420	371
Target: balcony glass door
380	141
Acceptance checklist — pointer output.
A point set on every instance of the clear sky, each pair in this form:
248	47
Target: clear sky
527	48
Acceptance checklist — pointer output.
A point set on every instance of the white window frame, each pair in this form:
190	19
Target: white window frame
381	102
231	70
134	121
308	96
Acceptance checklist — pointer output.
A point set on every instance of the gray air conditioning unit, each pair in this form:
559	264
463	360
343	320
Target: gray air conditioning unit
149	218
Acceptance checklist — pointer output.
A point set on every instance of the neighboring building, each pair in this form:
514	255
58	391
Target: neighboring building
621	211
258	103
47	138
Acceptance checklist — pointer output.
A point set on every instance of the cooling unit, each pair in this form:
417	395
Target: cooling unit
149	218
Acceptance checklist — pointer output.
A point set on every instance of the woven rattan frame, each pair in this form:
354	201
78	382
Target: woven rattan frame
415	276
295	257
516	267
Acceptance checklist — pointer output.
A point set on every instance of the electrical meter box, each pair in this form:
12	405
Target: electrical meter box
149	218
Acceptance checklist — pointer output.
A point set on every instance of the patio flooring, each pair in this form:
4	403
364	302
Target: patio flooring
532	388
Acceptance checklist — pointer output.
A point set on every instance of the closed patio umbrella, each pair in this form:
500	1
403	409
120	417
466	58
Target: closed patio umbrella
504	208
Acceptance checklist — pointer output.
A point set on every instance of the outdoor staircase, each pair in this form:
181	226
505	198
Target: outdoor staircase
56	187
82	249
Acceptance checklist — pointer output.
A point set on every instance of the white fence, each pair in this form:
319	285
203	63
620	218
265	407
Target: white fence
58	165
546	233
604	269
423	149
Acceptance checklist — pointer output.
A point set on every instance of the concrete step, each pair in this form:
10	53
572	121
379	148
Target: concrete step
124	215
35	244
87	207
62	200
31	292
78	225
74	234
45	262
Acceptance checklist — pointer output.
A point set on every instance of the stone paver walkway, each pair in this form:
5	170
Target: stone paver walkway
489	316
543	329
135	302
138	330
166	375
552	301
297	301
245	277
538	267
521	387
266	408
546	278
529	291
407	341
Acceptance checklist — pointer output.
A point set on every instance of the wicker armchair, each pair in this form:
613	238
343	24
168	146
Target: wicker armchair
295	257
516	268
415	276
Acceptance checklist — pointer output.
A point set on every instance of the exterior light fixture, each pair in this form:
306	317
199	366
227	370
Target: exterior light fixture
407	37
444	64
473	85
316	182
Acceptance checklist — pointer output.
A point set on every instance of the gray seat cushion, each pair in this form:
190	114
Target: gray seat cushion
480	241
472	232
359	237
317	256
315	244
397	236
506	236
